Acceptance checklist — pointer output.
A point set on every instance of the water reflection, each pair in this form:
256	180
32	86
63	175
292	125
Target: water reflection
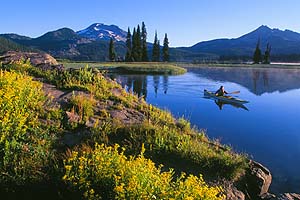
258	81
220	104
133	83
139	83
165	83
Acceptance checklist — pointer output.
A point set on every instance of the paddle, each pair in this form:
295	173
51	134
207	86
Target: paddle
235	92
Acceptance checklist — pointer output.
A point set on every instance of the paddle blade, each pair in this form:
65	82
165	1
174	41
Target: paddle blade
235	92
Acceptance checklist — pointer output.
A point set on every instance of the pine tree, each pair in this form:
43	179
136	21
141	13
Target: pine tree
257	54
156	49
144	43
138	44
267	54
165	50
111	53
128	57
134	46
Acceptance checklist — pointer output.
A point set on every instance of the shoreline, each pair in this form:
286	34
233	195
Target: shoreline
131	67
251	66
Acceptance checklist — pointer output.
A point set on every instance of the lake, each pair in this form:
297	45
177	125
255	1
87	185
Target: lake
267	128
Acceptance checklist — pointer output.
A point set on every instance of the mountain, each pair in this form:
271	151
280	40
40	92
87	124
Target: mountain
66	43
61	43
99	31
9	45
92	43
283	43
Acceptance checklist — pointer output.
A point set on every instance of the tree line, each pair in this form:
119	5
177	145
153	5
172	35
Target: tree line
258	57
137	47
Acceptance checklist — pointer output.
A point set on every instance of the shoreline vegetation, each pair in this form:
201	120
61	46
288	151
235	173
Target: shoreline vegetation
87	138
170	68
131	67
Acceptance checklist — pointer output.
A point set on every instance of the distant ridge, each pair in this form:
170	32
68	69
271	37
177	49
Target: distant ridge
282	42
91	43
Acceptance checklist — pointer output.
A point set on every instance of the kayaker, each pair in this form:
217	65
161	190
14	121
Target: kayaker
221	91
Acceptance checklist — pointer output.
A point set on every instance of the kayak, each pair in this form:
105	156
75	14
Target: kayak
228	99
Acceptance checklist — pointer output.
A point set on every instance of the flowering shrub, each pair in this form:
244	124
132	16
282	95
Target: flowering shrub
23	144
106	172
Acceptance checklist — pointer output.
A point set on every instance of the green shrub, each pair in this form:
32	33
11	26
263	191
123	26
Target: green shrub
84	106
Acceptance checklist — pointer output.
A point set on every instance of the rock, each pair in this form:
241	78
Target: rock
268	196
257	181
35	58
41	60
48	66
289	196
262	176
232	193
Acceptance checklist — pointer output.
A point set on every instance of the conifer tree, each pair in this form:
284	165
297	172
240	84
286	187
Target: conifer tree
267	54
155	50
134	46
158	51
111	53
138	44
257	53
144	43
128	57
165	50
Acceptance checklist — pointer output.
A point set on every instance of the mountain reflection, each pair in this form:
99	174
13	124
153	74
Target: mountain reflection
258	81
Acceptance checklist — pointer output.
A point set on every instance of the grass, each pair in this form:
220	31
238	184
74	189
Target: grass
141	67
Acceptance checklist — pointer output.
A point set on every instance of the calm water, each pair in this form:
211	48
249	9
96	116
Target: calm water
268	129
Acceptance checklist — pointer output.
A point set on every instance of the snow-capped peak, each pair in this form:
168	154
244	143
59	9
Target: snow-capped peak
100	31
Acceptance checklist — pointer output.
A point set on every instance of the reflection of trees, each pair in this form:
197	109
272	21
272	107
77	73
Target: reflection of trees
136	84
140	86
165	83
255	77
155	84
266	79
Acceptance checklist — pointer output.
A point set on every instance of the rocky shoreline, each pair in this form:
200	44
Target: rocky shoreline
255	185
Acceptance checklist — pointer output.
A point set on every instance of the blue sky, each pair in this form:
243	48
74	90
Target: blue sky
186	21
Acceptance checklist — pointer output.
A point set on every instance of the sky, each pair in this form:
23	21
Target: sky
186	22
